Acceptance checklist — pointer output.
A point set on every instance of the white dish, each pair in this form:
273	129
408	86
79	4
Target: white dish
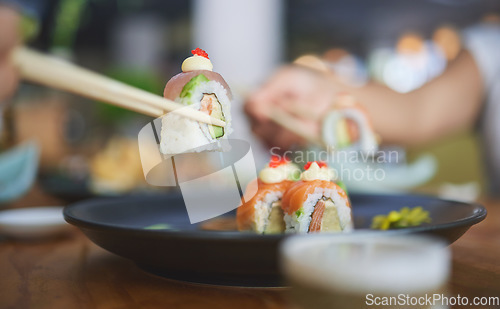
35	222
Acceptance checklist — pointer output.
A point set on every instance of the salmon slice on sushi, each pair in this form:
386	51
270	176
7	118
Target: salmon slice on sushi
200	88
263	213
316	203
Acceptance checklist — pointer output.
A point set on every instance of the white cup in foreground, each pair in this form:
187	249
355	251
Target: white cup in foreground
365	270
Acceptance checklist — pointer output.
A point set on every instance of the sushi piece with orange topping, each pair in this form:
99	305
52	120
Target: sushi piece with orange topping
316	203
263	214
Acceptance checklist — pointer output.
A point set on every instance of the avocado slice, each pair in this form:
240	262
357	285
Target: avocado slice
343	139
216	132
276	224
187	90
330	221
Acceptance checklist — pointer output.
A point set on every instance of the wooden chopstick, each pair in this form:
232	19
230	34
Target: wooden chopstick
56	73
290	123
302	111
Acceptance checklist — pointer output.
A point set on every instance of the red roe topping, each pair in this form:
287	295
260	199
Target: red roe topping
277	161
320	164
200	52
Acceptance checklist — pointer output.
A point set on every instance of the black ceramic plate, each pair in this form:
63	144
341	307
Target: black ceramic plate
190	253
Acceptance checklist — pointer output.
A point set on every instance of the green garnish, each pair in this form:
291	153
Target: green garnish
187	90
299	212
158	226
294	176
342	186
406	217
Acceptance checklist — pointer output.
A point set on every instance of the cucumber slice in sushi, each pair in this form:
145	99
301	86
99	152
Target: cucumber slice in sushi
212	104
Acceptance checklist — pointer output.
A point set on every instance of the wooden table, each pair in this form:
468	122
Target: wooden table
71	272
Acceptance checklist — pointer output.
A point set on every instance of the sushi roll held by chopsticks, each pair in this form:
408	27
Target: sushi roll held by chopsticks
200	88
316	203
263	214
348	127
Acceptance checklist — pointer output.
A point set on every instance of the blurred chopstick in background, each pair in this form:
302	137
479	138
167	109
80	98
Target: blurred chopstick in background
288	122
56	73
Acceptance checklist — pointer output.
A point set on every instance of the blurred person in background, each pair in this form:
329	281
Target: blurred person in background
9	37
19	20
465	96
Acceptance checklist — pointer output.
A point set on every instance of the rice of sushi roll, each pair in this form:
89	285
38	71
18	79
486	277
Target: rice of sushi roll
263	214
200	88
316	203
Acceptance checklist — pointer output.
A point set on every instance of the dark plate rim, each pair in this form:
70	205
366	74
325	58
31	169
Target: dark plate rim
478	214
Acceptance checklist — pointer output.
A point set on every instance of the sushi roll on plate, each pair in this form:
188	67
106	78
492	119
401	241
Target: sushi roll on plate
263	214
200	88
316	203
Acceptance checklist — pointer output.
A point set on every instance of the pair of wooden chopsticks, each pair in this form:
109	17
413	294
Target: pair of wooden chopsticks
56	73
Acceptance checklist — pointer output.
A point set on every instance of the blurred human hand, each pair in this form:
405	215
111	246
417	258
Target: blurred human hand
300	92
9	37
